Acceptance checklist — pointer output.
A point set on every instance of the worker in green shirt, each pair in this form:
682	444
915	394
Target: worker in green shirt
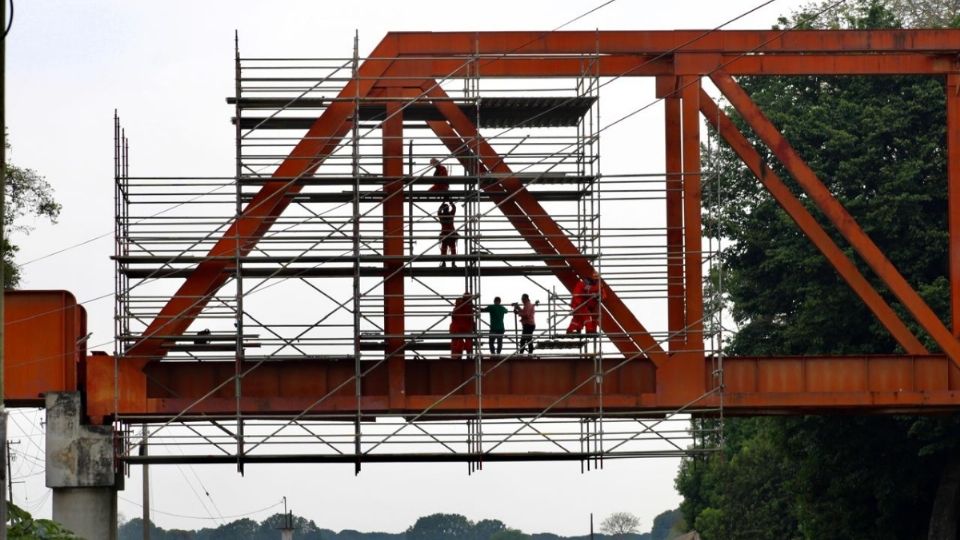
497	329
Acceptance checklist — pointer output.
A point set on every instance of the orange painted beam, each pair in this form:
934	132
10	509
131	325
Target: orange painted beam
656	42
953	196
692	207
44	345
641	65
114	384
676	307
753	385
393	234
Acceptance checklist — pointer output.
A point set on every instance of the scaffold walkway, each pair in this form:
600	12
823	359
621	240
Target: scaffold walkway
355	273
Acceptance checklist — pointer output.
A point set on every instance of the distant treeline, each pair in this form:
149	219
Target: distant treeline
433	527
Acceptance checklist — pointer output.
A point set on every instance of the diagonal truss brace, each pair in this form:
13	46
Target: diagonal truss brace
838	215
523	210
262	210
808	224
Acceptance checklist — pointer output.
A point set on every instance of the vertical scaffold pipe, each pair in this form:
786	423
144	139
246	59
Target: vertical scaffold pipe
356	246
238	276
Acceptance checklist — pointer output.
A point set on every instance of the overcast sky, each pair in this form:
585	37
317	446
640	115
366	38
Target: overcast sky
167	67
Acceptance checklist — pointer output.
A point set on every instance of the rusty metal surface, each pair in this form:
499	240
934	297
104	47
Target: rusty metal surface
393	244
43	344
676	314
692	224
754	385
654	42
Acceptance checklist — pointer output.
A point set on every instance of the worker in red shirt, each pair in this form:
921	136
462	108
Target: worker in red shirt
448	233
585	305
462	326
440	175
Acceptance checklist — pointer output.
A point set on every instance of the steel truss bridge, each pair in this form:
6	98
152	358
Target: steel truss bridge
295	310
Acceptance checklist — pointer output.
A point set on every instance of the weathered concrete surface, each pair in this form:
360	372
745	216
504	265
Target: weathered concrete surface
90	512
77	455
80	470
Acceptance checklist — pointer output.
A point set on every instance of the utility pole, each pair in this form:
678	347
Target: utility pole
3	188
591	525
146	484
9	472
286	531
10	481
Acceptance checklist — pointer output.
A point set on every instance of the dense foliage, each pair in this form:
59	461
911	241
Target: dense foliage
22	526
878	143
27	194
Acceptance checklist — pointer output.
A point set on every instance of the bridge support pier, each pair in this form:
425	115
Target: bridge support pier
80	469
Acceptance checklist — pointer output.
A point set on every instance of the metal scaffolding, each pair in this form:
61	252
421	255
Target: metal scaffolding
352	275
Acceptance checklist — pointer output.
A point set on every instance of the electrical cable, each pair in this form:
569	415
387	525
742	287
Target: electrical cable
195	494
208	518
108	233
9	24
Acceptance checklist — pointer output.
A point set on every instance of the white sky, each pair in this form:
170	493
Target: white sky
167	67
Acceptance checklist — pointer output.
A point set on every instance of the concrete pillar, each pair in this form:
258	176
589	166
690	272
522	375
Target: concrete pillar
80	469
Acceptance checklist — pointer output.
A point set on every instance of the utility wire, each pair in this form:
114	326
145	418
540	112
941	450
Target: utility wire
108	233
9	24
206	518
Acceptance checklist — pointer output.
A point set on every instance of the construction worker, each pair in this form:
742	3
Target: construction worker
461	326
528	321
496	311
448	233
440	174
585	305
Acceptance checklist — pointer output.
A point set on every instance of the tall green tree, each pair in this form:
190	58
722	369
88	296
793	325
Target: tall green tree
878	143
27	194
666	525
439	526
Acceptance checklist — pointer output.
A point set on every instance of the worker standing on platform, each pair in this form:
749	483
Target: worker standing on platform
497	329
461	326
585	305
440	174
448	233
528	321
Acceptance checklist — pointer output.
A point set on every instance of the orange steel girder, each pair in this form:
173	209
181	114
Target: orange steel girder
879	384
680	58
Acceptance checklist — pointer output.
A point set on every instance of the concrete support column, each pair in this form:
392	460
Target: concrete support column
80	469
